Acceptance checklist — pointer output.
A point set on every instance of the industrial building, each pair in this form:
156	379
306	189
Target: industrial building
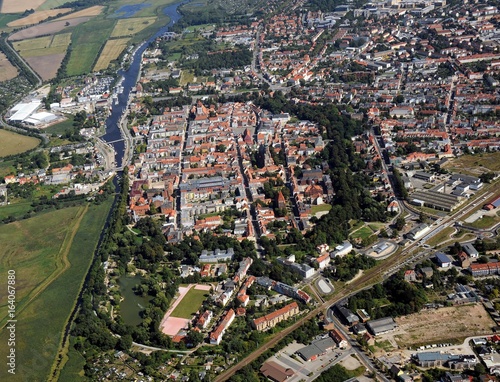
382	325
436	200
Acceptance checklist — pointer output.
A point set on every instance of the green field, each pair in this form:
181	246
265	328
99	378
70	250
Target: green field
12	143
485	222
321	208
7	18
362	233
50	4
50	254
190	303
61	127
17	210
87	42
43	46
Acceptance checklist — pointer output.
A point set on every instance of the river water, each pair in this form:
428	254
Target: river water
130	77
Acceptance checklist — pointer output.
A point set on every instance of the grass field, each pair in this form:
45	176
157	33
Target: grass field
7	167
6	19
111	51
475	164
49	4
12	143
485	222
61	127
73	370
17	210
321	208
441	238
362	233
50	254
7	70
129	27
190	303
87	41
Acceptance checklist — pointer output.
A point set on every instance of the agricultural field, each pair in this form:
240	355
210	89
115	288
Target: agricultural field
129	27
5	19
44	54
87	41
50	254
7	70
49	28
92	11
38	16
420	328
16	6
111	51
12	143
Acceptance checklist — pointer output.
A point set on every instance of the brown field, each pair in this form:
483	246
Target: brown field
46	66
49	28
110	52
451	324
12	143
7	70
36	17
475	164
92	11
17	6
129	27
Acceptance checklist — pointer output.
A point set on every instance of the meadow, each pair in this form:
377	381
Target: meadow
50	254
129	27
12	143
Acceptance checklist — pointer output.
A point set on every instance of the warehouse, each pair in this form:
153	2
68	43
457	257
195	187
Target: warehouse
382	325
436	200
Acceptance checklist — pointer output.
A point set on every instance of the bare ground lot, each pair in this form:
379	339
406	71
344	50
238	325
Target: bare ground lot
38	16
7	70
47	28
46	66
444	325
16	6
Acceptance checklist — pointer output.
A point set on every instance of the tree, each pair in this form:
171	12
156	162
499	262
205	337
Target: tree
399	223
125	342
194	337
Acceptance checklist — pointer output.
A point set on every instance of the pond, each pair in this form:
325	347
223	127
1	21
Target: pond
132	304
126	11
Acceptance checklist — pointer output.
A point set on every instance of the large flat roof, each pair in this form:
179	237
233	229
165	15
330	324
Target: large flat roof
24	110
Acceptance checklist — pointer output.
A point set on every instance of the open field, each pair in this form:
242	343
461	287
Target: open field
92	11
321	208
46	66
49	28
442	237
487	221
129	27
38	16
475	164
5	19
50	254
49	4
16	6
7	70
190	303
17	210
87	41
362	233
12	143
43	46
110	52
451	324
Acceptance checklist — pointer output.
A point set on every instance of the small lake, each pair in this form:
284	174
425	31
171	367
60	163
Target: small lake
132	304
126	11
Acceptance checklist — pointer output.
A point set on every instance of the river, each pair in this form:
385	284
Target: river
130	77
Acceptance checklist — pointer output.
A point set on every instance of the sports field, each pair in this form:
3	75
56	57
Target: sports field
184	307
50	254
111	51
12	143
